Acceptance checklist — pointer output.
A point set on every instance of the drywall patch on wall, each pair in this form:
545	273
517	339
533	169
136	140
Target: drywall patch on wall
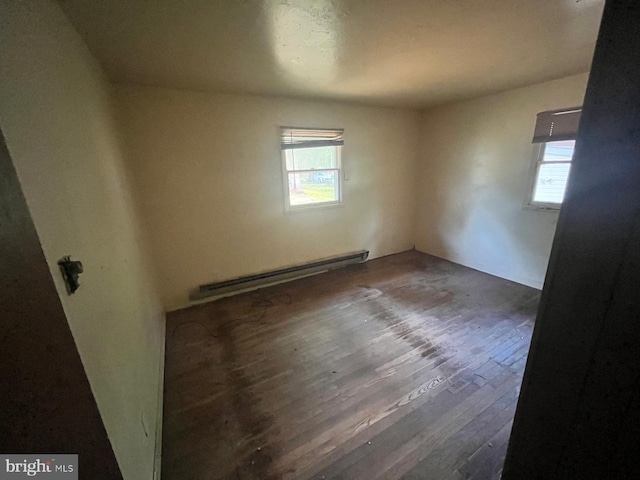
56	113
208	169
472	181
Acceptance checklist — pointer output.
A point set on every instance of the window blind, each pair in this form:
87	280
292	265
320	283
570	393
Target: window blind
556	125
310	138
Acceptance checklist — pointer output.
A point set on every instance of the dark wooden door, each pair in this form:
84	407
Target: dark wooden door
578	416
46	403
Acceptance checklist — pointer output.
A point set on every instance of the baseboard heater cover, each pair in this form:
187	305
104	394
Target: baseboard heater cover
273	276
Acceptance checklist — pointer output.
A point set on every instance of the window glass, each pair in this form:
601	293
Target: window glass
552	172
311	164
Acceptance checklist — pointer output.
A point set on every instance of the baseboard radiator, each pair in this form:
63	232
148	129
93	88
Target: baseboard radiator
274	276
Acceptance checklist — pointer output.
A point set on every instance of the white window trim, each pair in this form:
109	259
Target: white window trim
534	166
288	208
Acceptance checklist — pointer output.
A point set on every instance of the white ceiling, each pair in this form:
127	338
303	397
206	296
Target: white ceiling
387	52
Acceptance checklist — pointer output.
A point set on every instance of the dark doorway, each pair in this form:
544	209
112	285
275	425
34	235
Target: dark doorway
46	402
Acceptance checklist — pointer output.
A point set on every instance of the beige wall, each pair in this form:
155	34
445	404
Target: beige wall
208	169
472	178
56	117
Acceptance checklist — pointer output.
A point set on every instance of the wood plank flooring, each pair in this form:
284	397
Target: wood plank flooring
406	367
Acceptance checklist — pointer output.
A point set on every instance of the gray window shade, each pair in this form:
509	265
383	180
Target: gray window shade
556	125
309	138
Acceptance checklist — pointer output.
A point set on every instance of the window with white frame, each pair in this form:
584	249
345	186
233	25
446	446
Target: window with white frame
554	137
311	165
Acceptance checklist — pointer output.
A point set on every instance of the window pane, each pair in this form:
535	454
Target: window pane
559	151
551	182
311	158
313	187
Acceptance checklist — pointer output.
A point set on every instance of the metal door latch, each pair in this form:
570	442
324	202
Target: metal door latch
71	270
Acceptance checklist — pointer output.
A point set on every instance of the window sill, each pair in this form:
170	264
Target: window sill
309	208
542	207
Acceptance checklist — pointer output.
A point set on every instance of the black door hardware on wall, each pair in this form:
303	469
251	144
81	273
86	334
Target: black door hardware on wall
71	270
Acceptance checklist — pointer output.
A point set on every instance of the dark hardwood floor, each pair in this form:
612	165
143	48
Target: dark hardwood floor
407	366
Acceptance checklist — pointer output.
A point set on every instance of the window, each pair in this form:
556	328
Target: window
554	135
552	172
311	160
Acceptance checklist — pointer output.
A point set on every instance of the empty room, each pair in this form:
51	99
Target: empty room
319	239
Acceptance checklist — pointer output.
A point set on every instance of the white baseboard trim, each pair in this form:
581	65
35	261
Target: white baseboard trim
157	460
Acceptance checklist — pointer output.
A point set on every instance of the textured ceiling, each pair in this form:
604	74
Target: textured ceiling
386	52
